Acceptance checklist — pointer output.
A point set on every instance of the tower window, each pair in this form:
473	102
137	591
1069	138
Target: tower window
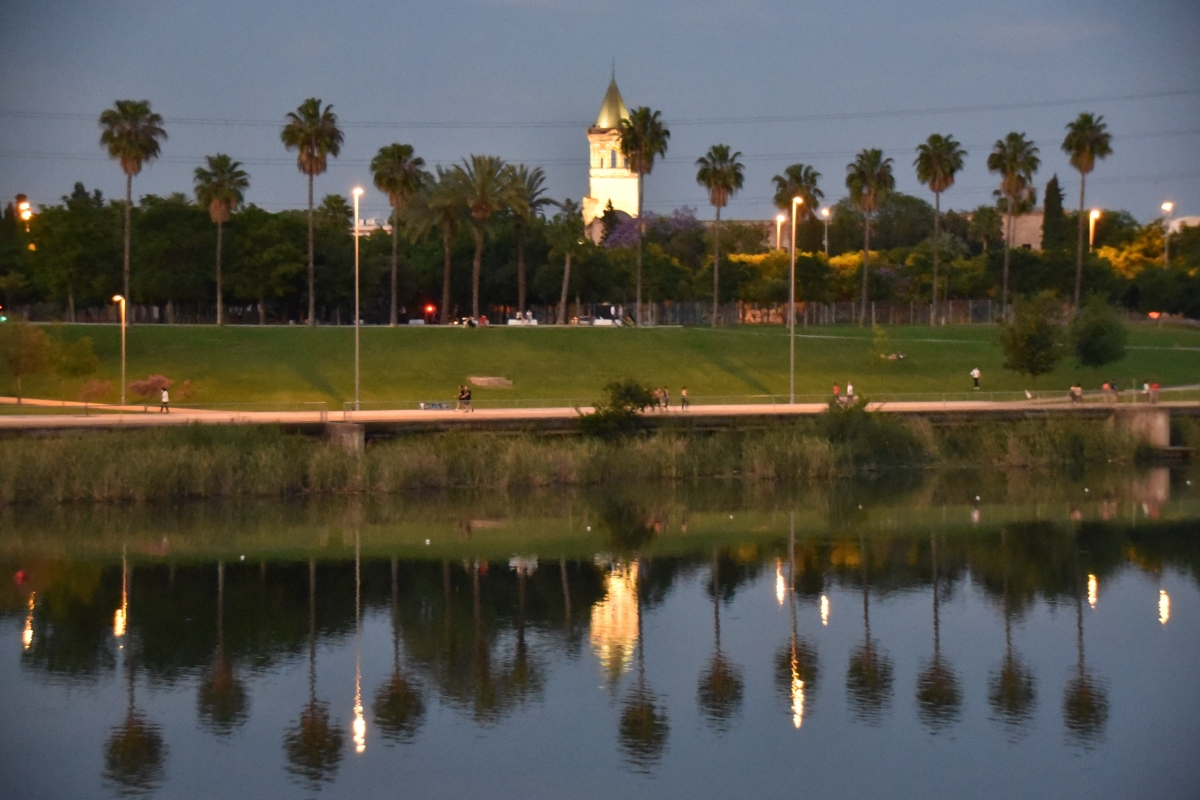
613	154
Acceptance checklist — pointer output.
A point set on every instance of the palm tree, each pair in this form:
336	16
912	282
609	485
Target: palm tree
568	240
1087	140
798	180
939	695
220	187
131	132
719	694
530	193
399	175
643	139
1085	699
939	158
485	186
869	676
644	726
222	698
796	664
399	707
1012	689
313	133
869	179
314	744
438	206
1015	159
720	172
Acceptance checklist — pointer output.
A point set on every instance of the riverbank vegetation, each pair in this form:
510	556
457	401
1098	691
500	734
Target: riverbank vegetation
214	461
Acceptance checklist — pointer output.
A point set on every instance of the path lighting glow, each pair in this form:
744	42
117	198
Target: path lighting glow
121	302
1092	217
796	201
1164	606
824	610
358	192
780	584
779	218
1093	590
1167	208
825	215
24	211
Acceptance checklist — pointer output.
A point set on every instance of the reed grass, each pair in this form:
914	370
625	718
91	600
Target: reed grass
198	461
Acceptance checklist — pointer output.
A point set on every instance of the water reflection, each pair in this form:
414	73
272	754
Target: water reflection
313	744
500	633
869	676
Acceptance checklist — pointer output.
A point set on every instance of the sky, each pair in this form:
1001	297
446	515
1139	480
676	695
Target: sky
780	81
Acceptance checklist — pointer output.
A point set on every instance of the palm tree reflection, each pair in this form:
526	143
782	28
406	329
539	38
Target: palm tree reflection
644	727
313	745
1085	700
719	694
1012	690
796	662
869	676
939	697
399	707
135	752
222	698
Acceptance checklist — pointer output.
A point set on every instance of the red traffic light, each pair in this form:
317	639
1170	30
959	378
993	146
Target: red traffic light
429	309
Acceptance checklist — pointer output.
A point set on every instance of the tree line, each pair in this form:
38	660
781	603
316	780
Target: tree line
483	233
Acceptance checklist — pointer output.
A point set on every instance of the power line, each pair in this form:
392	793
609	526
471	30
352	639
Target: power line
738	120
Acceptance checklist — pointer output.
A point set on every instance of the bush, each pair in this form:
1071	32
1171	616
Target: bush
1098	334
617	414
863	440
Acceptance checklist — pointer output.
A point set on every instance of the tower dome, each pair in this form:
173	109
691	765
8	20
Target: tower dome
613	109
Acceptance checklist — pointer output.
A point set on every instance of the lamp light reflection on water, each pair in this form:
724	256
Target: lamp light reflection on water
614	623
27	634
1093	590
797	695
1164	606
824	609
780	583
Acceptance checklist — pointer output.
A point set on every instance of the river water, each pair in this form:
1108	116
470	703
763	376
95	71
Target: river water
921	635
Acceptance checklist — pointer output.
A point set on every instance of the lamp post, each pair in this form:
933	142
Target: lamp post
779	218
796	201
357	194
1092	217
121	302
1167	208
825	215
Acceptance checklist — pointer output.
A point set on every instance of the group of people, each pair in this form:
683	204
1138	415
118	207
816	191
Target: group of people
662	399
844	399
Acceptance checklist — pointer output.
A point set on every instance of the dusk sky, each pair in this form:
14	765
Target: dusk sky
779	81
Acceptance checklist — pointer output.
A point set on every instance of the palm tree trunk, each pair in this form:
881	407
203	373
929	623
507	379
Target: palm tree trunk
1007	245
262	311
312	299
937	230
520	273
562	300
220	296
1079	251
641	228
476	266
716	267
395	260
128	222
70	301
446	273
862	311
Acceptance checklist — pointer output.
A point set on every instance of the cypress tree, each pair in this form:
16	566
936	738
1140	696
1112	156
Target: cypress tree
1054	233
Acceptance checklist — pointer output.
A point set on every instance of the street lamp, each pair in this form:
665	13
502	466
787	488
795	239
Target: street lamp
1092	217
357	194
796	201
779	230
121	301
24	210
1167	208
825	215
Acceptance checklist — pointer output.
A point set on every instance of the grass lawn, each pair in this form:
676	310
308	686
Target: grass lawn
246	364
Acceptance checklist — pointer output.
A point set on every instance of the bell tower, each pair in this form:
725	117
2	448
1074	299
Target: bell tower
608	176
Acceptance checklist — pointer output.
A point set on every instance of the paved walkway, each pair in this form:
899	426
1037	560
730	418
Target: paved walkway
100	417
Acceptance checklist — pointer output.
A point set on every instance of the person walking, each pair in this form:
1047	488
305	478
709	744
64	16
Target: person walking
683	399
666	398
466	399
975	376
164	407
458	401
